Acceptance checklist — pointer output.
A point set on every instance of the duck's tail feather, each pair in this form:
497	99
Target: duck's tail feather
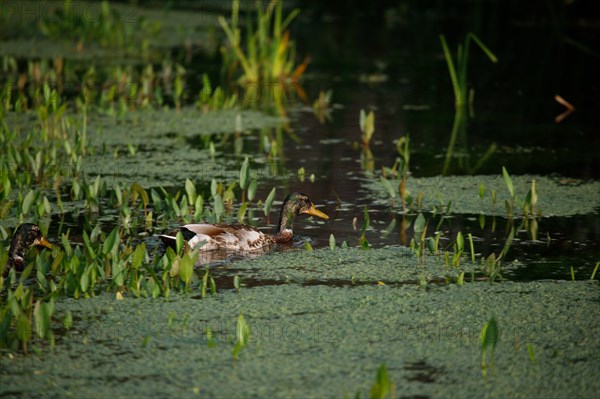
169	241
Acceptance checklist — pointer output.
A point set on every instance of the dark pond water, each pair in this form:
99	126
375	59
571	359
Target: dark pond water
399	71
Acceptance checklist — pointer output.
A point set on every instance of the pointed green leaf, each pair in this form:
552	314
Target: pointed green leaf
508	182
138	256
489	335
460	242
242	212
112	241
190	190
388	186
179	242
362	120
27	202
213	187
420	223
23	328
68	320
245	174
252	190
269	202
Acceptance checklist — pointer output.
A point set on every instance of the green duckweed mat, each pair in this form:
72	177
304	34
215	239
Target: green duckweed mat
556	196
321	341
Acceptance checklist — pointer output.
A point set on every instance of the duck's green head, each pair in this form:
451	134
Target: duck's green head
27	235
295	204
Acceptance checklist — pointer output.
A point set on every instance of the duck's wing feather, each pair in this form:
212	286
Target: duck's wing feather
210	230
230	236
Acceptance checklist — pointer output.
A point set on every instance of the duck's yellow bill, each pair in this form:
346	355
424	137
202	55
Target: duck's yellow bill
315	212
43	242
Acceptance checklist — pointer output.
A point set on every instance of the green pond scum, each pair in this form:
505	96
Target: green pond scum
488	194
321	341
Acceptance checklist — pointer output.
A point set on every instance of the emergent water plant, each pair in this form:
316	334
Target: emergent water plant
462	96
266	55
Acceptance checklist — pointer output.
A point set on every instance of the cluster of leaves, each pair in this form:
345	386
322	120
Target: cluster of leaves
104	262
114	262
269	56
210	99
112	89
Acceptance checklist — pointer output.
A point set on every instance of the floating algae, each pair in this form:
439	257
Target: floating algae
556	196
322	341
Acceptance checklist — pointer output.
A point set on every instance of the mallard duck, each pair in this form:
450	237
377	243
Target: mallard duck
27	235
241	237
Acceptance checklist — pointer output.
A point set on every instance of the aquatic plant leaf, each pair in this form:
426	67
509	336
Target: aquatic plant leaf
111	243
242	334
534	195
483	47
269	202
508	182
27	202
190	190
41	315
68	320
388	186
420	223
366	220
213	187
218	206
245	174
460	242
23	328
118	194
138	256
595	270
332	242
489	335
252	190
138	189
84	281
430	242
186	267
179	242
451	70
382	385
389	229
213	286
461	278
362	120
241	215
198	207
